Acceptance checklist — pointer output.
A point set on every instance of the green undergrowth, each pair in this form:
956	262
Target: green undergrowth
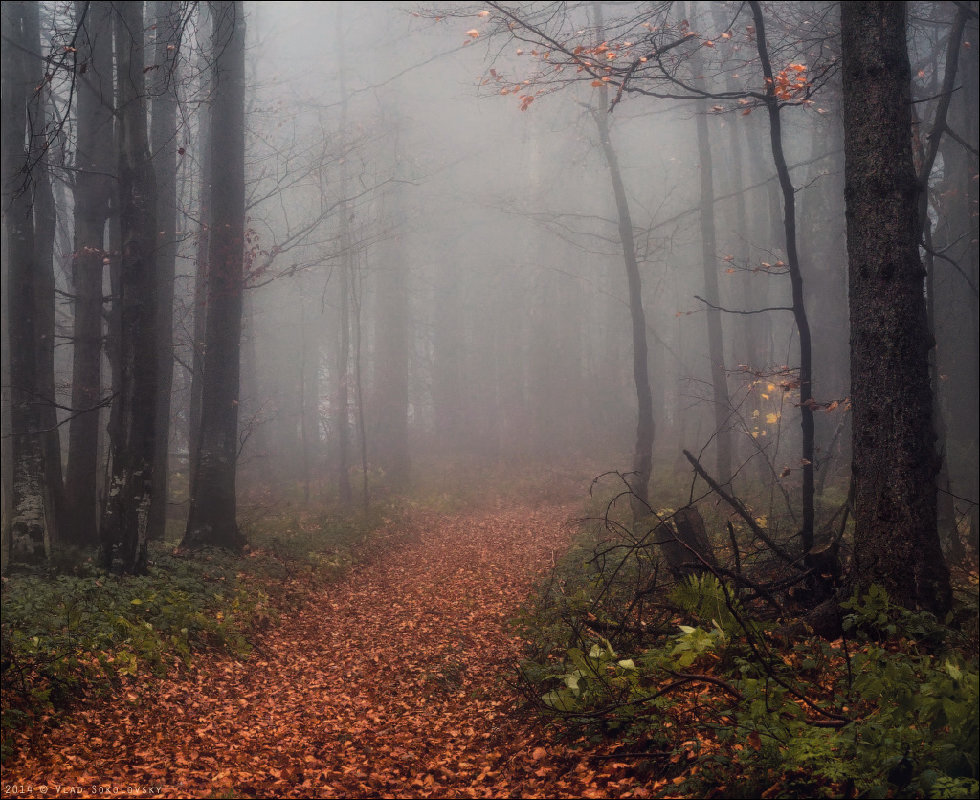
706	697
70	631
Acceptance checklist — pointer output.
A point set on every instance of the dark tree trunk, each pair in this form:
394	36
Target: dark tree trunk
29	535
391	384
796	280
94	179
709	264
200	294
342	396
894	464
213	510
953	282
643	447
133	442
685	543
163	141
45	231
929	148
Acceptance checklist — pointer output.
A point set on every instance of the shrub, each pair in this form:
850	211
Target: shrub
888	710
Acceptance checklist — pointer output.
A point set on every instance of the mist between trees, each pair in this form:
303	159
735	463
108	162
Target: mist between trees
316	248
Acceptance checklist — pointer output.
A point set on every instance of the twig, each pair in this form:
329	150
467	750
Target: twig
740	509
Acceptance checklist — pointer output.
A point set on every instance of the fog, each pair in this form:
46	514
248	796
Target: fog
442	208
483	240
374	374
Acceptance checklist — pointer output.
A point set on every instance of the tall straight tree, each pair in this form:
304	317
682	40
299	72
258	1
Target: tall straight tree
163	141
894	462
45	227
212	519
94	184
30	538
393	343
201	250
643	446
342	393
795	270
133	439
709	266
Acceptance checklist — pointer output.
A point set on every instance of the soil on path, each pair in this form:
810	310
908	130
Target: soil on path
387	684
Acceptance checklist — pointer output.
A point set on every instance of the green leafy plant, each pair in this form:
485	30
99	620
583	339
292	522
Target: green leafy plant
889	710
65	636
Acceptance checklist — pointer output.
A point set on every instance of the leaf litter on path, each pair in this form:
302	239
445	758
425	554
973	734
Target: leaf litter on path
389	683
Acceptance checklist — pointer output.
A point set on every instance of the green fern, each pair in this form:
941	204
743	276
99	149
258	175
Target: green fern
708	600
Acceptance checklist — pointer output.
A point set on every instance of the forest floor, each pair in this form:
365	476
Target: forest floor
388	683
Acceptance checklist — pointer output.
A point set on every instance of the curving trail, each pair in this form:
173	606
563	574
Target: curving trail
387	684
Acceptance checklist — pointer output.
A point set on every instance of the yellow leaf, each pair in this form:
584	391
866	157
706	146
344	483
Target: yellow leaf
772	419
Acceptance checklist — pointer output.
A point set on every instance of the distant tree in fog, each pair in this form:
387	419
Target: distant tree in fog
213	506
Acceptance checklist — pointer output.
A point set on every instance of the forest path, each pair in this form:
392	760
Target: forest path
387	684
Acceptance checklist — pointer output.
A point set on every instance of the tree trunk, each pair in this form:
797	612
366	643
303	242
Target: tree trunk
213	508
796	280
709	265
163	141
685	543
29	537
953	289
133	442
447	350
393	343
93	190
198	364
643	448
342	396
45	232
894	462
